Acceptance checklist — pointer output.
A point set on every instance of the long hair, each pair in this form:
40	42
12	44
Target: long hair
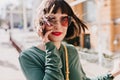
74	29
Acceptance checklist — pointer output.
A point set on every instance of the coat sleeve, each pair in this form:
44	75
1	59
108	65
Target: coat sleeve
76	70
53	63
34	70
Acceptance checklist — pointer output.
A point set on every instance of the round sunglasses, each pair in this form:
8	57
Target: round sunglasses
51	21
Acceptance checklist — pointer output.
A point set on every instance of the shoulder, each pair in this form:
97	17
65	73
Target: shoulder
27	52
71	49
73	55
70	46
31	58
30	53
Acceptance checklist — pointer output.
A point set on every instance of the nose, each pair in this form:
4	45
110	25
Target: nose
58	25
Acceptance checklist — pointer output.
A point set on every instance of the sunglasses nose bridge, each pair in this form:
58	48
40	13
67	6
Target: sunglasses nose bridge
58	24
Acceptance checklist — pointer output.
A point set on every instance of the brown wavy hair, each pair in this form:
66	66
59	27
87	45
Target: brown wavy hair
76	25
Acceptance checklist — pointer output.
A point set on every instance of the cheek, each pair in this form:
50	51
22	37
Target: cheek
65	30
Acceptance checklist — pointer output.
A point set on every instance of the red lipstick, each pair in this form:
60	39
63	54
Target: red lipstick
57	33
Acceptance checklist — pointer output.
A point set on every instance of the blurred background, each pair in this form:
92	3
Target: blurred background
99	46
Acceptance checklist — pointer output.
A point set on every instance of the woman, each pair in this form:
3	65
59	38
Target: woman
55	22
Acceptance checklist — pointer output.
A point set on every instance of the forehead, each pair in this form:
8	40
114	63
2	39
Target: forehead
57	14
57	5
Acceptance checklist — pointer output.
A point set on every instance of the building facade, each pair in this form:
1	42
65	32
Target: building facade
103	20
101	16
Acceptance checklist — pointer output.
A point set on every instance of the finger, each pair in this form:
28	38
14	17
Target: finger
45	39
42	27
39	32
48	32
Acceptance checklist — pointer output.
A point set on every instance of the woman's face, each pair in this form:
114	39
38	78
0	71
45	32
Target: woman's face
58	23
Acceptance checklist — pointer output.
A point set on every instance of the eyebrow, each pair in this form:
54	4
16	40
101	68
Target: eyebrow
55	17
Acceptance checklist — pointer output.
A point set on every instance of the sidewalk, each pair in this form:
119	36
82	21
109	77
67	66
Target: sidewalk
9	65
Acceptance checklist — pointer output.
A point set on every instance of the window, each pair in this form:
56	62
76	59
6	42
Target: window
87	41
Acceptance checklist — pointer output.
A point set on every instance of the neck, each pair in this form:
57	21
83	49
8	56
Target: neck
42	46
57	44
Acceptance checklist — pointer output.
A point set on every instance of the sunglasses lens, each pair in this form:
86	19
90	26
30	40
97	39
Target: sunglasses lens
64	21
51	21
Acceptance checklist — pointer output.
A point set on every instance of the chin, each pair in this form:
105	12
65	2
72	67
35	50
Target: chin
56	39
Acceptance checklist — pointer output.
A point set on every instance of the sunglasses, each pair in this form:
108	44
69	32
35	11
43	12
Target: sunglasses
65	21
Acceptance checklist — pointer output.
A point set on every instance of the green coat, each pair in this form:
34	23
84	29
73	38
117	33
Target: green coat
50	65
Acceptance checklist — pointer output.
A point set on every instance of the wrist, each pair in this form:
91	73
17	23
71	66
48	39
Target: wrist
111	76
46	41
115	73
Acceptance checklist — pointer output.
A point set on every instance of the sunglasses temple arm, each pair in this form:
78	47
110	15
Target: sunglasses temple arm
46	21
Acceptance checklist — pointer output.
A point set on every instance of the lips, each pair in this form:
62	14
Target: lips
57	33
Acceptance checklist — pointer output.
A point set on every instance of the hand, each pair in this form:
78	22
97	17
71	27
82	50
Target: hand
116	68
43	36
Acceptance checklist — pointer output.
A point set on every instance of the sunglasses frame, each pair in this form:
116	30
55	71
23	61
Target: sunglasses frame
46	20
